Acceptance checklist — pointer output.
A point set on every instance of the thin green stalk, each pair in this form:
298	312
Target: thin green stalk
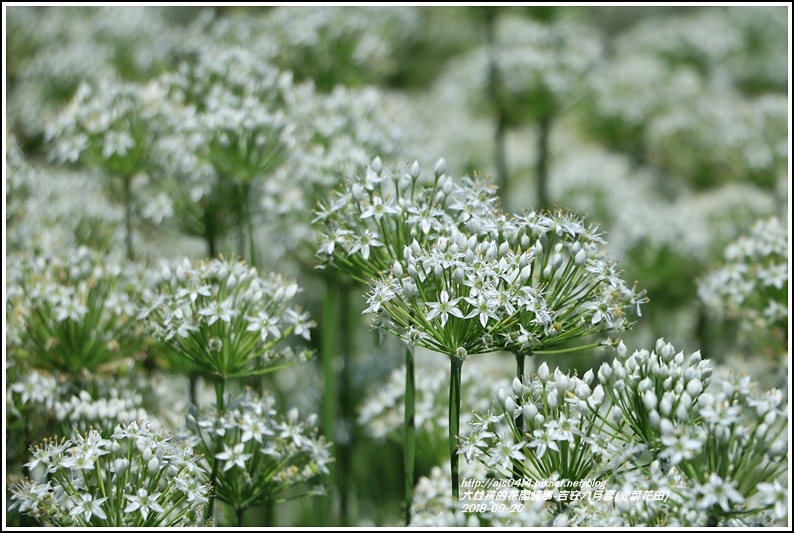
193	389
220	385
542	164
350	316
329	344
520	420
128	215
494	89
409	446
454	422
249	221
239	513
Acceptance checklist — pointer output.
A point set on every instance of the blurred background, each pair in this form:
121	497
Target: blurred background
666	126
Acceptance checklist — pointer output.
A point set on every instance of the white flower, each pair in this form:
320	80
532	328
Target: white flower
718	492
143	502
774	493
233	456
219	310
88	507
542	440
444	308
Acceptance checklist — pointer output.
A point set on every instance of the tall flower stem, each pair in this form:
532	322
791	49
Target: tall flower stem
542	163
349	316
239	514
409	446
249	221
220	386
128	215
494	90
329	346
520	360
454	422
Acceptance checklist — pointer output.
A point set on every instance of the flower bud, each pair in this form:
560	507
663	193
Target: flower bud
397	269
530	411
415	170
581	390
510	406
518	387
649	400
605	372
654	419
694	387
440	168
501	396
376	165
543	372
526	272
666	405
357	191
153	465
580	257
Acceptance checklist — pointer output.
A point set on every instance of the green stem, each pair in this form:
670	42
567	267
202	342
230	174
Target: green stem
454	423
128	216
193	389
329	344
409	449
542	164
220	385
239	513
494	89
349	315
520	420
249	221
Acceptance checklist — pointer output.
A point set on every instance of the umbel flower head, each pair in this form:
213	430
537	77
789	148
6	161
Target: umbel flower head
107	126
225	319
650	387
368	223
258	454
78	309
752	285
136	478
522	284
560	437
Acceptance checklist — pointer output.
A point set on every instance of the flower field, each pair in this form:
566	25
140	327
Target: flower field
396	266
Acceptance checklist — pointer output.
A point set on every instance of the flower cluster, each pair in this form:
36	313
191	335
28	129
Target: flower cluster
79	310
136	478
650	391
107	126
752	285
525	284
654	422
256	453
366	226
224	320
721	439
550	428
113	402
